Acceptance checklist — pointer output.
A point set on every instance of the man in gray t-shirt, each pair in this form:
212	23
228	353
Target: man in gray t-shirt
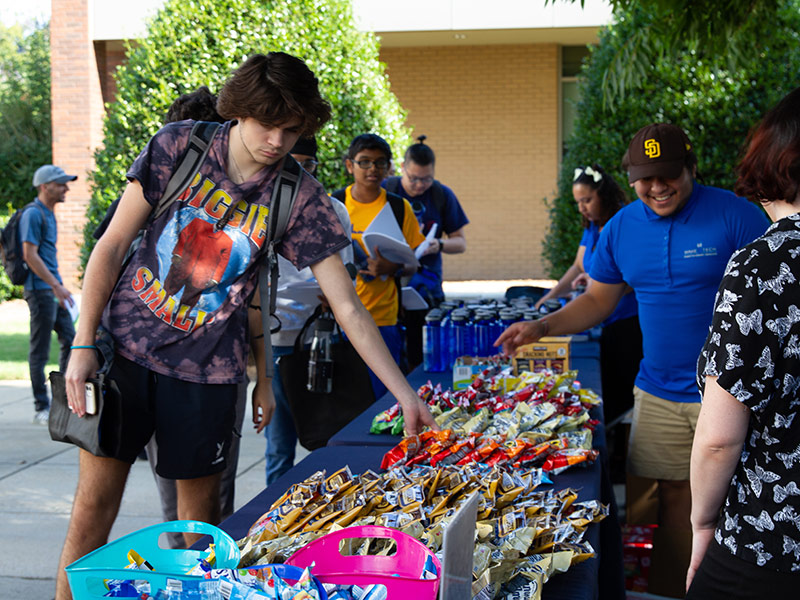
45	293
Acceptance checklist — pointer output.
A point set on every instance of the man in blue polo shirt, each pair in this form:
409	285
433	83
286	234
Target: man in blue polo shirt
45	293
671	246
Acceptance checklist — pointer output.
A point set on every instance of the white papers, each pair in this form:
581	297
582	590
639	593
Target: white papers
390	248
73	308
385	223
304	292
420	250
412	300
385	234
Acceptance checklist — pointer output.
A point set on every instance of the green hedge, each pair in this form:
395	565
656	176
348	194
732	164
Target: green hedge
715	106
199	42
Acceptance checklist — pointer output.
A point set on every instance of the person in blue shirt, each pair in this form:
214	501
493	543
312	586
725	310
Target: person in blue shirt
598	198
44	290
434	204
671	246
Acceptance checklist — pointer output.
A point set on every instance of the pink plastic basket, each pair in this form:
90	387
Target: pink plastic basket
400	573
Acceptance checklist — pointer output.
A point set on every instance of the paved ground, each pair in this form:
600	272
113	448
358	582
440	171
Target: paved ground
38	478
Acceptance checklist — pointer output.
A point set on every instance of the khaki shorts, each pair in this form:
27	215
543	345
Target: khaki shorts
662	431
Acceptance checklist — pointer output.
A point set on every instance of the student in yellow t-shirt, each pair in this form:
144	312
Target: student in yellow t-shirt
368	161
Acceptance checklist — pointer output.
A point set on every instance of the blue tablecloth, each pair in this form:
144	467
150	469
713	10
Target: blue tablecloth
356	447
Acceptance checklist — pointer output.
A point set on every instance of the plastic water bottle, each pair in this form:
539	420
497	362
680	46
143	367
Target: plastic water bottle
482	333
432	355
462	334
320	361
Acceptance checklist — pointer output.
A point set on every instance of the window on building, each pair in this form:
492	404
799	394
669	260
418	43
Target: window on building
571	60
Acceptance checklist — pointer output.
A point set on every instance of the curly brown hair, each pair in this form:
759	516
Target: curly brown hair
274	89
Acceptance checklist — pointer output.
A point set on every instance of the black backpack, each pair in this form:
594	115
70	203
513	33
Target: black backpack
11	247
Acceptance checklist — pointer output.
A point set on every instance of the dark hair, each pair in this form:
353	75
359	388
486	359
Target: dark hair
273	89
612	198
420	153
199	105
368	141
770	169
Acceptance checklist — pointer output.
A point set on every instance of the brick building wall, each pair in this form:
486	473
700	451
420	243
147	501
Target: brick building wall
491	114
77	109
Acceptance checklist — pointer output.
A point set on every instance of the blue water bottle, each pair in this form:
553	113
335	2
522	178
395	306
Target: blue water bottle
482	333
432	359
461	334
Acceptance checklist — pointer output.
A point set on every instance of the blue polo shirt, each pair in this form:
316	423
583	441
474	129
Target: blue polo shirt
675	265
38	226
627	306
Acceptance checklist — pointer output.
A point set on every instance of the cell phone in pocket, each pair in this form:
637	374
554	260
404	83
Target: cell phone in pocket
91	393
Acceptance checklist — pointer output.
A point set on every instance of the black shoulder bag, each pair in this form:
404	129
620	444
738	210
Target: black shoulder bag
318	416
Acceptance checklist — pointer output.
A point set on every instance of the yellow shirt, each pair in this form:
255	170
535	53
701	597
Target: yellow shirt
378	295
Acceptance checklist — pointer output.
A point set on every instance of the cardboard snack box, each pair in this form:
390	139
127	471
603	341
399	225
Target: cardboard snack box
548	353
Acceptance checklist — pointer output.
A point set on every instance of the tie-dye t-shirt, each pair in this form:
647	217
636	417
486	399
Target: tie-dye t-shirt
180	307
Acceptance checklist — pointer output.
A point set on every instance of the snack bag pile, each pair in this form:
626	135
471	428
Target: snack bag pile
542	421
522	534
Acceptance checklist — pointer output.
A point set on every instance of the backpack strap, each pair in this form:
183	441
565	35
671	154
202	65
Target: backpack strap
398	207
393	185
188	165
439	199
340	195
284	194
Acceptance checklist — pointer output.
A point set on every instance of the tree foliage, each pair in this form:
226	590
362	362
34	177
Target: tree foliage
199	42
713	28
24	111
715	105
25	115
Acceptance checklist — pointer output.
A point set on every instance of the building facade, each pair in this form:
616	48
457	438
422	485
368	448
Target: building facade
488	85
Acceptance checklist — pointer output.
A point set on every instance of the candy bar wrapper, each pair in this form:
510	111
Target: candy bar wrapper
383	421
407	448
523	588
562	460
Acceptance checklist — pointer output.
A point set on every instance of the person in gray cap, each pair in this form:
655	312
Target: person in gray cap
45	293
671	246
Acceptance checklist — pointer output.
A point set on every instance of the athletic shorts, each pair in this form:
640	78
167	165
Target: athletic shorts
660	444
193	422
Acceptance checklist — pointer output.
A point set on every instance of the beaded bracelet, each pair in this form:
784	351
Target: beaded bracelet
83	347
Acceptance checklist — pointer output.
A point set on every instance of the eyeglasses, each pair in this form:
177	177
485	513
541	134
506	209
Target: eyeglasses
424	180
380	164
309	164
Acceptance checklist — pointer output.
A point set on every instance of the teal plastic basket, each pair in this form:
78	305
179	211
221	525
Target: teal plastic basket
86	575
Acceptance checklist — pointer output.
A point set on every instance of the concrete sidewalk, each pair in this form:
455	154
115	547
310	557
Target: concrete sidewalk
37	483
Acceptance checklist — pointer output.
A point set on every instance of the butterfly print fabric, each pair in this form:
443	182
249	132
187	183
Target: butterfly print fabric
753	348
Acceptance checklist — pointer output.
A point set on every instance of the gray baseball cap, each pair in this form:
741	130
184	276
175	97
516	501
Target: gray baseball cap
49	173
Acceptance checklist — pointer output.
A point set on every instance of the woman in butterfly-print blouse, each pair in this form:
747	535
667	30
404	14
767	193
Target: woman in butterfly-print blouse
746	454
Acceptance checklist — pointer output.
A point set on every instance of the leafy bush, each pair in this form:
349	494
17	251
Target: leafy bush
715	106
24	111
199	42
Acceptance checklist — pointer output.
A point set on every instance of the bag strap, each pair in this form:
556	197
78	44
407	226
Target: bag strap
439	199
284	194
298	341
188	165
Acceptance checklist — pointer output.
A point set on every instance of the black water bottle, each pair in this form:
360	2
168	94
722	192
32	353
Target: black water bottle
320	360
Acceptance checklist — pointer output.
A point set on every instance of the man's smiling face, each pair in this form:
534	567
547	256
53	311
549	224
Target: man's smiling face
665	196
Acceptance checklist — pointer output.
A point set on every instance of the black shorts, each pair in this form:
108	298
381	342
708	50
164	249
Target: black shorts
193	422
